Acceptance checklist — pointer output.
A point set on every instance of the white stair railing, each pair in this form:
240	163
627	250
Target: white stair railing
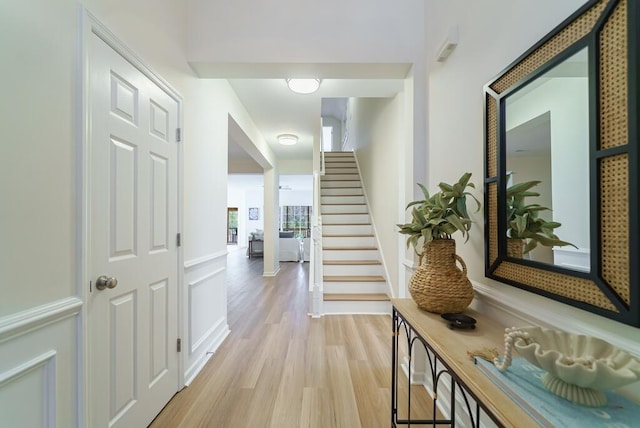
316	286
315	261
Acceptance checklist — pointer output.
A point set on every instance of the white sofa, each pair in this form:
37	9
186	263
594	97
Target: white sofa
289	250
306	249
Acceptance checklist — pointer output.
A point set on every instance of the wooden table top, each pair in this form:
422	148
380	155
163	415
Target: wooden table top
452	347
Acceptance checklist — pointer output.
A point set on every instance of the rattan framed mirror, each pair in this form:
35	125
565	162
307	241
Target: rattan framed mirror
605	34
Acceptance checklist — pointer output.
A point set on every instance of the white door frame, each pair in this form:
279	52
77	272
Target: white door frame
90	25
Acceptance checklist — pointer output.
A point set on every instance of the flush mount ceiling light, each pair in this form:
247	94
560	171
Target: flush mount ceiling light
303	86
287	139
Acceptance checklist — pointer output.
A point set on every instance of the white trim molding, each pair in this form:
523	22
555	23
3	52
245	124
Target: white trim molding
46	364
38	317
205	259
218	333
193	285
271	274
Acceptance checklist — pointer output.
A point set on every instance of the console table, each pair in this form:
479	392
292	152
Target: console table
256	247
450	368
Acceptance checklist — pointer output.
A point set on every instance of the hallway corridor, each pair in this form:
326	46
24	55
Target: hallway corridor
281	368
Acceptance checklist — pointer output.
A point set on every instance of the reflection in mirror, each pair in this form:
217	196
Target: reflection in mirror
547	141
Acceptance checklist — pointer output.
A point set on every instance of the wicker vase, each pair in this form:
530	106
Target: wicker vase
515	247
438	285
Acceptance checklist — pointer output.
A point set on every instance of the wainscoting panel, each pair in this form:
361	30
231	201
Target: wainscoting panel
206	311
39	367
32	385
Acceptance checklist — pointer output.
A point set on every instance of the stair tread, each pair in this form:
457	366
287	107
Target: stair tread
351	262
355	297
347	235
346	224
345	213
333	248
354	278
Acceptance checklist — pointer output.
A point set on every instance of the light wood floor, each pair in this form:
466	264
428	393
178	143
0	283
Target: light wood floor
281	368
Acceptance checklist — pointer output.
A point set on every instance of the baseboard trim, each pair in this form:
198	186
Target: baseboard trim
205	259
205	337
271	274
199	363
38	317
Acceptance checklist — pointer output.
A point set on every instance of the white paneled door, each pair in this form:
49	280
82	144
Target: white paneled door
132	324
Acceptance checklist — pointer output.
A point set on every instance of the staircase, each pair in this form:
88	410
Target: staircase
353	275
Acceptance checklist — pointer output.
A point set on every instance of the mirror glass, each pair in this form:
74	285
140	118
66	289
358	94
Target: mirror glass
547	141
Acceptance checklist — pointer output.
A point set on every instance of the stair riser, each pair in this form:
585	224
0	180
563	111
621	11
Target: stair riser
345	270
338	155
339	163
348	241
330	184
355	287
340	170
357	307
338	192
342	163
344	200
350	255
345	219
343	209
347	229
333	177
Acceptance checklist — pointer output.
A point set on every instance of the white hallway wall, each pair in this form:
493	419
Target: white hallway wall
456	142
376	126
362	31
41	306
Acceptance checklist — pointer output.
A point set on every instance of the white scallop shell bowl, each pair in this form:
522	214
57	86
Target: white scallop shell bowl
579	368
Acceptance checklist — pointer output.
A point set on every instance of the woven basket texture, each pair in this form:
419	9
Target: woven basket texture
515	247
439	285
614	170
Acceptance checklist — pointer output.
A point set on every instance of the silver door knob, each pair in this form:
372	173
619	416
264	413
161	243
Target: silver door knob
105	281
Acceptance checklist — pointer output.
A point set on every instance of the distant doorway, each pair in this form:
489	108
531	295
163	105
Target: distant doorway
232	226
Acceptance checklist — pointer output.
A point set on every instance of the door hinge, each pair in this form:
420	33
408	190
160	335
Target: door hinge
179	345
178	135
179	239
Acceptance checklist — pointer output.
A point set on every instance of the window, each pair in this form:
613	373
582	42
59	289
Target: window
297	219
232	225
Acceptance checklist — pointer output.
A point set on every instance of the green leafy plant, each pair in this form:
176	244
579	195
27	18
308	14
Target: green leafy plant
524	222
440	215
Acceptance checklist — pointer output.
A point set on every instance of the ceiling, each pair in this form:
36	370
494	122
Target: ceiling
275	109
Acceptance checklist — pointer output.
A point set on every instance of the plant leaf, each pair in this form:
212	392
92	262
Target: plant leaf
425	192
521	187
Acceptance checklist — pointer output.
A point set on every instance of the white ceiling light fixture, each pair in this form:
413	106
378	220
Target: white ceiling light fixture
303	86
287	139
